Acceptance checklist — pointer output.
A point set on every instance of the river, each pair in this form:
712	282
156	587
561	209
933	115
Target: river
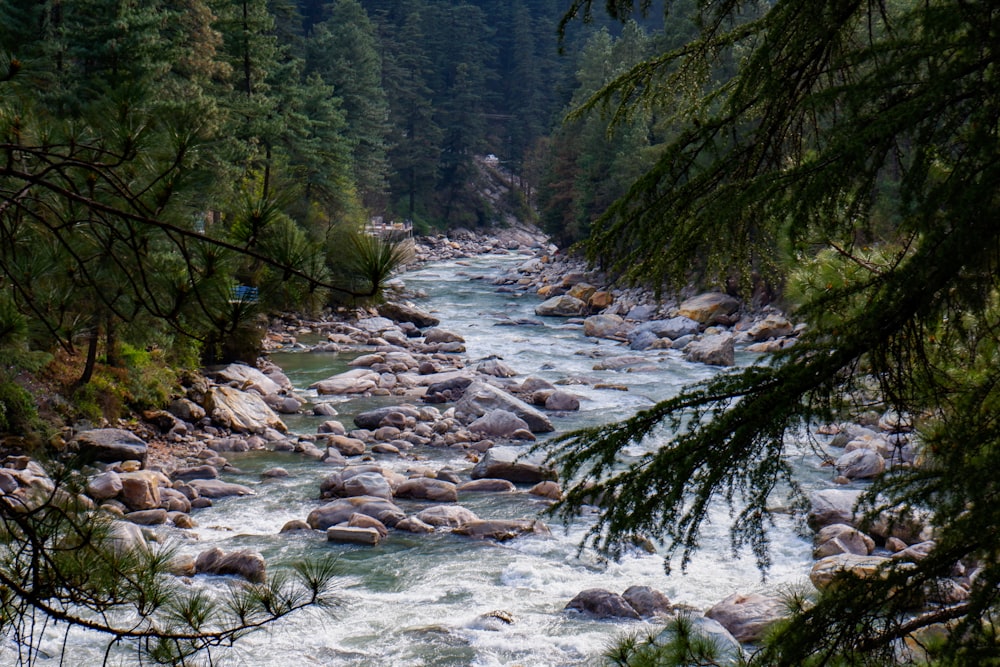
419	599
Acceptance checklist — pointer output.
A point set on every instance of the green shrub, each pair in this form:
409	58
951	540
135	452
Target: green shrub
17	409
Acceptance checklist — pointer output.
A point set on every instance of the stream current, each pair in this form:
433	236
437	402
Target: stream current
420	599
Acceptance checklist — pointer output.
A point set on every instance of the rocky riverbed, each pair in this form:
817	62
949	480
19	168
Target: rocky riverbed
172	470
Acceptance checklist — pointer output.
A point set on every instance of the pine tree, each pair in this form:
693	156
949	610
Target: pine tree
868	130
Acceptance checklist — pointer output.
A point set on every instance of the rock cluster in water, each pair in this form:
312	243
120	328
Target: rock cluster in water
175	468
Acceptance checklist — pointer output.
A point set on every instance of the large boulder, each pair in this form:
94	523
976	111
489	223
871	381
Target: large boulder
436	336
718	350
827	570
710	308
840	538
109	445
503	463
340	511
498	424
772	326
647	601
372	419
831	506
671	328
600	603
248	378
451	516
356	381
243	563
425	488
480	398
104	486
502	530
241	411
747	617
562	306
216	488
860	464
401	312
605	326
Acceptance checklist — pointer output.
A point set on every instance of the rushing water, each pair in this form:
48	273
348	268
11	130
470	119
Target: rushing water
419	599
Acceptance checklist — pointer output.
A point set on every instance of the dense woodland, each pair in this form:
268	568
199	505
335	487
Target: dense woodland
158	154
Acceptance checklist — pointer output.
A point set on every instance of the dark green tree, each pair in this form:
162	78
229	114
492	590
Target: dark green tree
343	51
837	111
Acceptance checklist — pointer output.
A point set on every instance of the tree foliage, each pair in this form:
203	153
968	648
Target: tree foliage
865	130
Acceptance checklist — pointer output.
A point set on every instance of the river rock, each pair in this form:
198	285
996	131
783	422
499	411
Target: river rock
243	563
248	378
367	360
451	516
601	603
562	401
717	350
860	464
375	325
451	389
437	336
424	488
346	445
487	485
186	409
173	500
502	530
294	525
503	463
547	489
102	487
153	517
109	445
412	524
562	306
480	398
324	410
826	570
400	312
831	506
241	411
772	326
605	326
839	538
340	511
367	484
647	601
495	368
710	308
353	534
498	424
372	419
332	426
335	485
195	472
124	537
642	340
356	381
216	488
139	492
747	617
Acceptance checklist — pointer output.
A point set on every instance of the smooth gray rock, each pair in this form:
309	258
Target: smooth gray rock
601	603
747	617
216	488
341	510
109	445
480	398
718	350
243	563
501	463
